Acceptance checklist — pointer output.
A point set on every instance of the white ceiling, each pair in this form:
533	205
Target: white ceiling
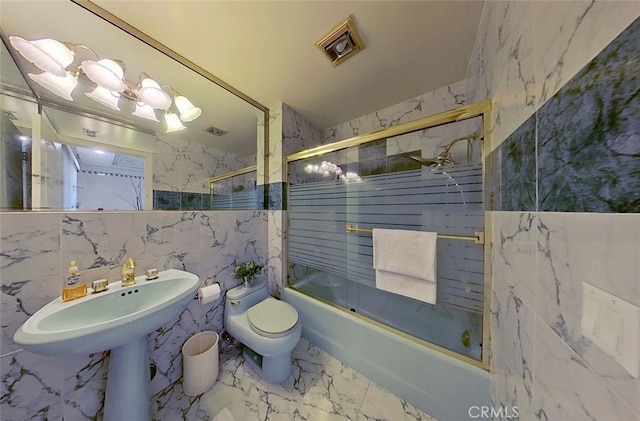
266	49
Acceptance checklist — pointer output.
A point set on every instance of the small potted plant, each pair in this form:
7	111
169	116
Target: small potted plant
247	272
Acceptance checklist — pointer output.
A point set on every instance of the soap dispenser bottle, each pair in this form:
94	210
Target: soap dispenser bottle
73	288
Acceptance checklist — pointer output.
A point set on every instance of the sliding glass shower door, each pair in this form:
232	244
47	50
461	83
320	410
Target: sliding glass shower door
425	180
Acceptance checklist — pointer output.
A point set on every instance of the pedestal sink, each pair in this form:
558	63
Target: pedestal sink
118	319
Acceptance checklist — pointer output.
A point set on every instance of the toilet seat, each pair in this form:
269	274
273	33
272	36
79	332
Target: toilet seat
272	318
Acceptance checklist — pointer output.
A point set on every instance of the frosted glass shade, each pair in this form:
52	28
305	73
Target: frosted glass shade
105	97
105	73
188	112
46	54
61	86
145	111
173	122
151	93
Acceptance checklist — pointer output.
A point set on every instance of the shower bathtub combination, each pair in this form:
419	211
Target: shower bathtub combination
425	175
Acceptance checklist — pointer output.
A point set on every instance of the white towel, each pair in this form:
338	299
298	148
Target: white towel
405	263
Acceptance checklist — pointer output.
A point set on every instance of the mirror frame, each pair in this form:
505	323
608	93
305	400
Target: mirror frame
262	161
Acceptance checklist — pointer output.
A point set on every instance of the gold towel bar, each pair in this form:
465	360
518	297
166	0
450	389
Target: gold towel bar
478	238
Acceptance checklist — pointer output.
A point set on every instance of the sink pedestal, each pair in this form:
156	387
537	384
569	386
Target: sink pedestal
127	396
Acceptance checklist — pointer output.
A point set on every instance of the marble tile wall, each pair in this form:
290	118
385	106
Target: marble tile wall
184	166
35	249
289	132
562	169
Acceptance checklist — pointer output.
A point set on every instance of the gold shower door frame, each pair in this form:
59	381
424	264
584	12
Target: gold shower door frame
480	109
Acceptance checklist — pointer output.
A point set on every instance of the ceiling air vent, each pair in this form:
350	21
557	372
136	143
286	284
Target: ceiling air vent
215	131
11	115
342	42
89	133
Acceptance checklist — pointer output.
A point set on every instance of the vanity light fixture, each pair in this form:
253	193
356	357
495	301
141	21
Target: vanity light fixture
105	73
173	122
152	94
145	111
61	86
341	42
105	97
60	77
46	54
188	112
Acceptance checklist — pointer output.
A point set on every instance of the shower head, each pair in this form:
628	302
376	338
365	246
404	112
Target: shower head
438	161
445	156
427	162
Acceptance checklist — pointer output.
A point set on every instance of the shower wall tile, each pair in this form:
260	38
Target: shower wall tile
206	243
511	384
514	256
513	325
276	149
517	170
569	34
276	266
578	153
298	133
565	387
520	65
443	99
545	121
569	256
589	135
289	132
512	80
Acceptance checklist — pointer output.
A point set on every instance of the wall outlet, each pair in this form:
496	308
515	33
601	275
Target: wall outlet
613	324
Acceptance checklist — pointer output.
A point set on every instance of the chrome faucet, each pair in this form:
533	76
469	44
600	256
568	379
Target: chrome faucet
128	272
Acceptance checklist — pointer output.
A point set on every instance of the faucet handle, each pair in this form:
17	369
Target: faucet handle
100	285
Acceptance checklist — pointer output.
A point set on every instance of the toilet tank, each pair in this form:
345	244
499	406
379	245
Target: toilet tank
240	299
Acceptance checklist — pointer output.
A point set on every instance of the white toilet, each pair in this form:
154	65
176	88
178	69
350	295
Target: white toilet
268	328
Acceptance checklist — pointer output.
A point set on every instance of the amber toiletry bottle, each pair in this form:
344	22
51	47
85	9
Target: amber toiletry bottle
73	288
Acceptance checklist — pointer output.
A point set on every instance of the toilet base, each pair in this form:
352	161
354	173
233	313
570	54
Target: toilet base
274	369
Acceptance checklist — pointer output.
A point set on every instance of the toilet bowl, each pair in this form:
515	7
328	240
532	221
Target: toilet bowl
268	328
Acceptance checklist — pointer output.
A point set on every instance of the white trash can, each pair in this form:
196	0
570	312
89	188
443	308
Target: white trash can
200	362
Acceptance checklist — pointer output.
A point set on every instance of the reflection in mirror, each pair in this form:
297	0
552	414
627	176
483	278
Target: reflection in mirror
177	164
236	190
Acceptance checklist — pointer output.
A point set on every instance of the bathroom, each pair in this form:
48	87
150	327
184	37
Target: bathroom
543	213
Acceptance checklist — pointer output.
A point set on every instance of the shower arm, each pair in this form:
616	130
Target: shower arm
447	149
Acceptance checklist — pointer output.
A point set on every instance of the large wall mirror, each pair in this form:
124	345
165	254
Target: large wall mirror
78	150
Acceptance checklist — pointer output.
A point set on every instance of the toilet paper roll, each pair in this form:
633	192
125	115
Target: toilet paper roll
209	293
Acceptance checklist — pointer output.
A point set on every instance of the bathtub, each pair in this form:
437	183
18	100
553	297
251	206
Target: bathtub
439	384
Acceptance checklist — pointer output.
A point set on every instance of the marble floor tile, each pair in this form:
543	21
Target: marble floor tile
319	388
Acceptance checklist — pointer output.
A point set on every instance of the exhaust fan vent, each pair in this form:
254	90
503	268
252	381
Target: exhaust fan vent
215	131
89	133
342	42
11	115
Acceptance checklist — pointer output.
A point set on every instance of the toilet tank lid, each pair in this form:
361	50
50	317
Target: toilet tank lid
240	291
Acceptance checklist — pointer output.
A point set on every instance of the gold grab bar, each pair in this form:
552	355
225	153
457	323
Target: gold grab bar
478	238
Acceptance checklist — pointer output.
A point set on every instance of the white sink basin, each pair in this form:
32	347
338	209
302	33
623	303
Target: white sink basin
108	319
